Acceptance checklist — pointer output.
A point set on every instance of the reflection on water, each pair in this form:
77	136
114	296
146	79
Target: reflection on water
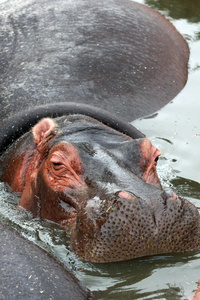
176	9
187	187
175	130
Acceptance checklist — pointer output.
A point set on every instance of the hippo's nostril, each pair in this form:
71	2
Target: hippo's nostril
170	194
126	195
170	198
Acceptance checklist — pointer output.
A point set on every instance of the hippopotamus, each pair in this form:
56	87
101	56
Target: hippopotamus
101	185
117	55
92	173
89	171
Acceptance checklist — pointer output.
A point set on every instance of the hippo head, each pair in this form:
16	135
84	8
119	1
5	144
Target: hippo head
103	187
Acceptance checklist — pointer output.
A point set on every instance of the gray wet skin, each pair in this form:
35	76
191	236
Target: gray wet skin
117	55
28	272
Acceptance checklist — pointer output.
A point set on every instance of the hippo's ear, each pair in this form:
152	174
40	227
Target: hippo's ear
43	131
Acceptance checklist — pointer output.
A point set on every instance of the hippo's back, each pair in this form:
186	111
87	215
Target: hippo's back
117	55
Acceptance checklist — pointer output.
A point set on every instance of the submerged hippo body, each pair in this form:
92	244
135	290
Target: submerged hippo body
28	272
102	186
117	55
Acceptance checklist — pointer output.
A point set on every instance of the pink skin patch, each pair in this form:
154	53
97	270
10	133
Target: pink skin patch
148	162
43	129
197	294
63	168
126	195
172	196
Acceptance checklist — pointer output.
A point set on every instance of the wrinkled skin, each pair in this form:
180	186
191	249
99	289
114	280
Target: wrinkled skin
102	186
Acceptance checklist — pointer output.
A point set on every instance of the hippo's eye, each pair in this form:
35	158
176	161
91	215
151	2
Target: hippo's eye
57	165
156	159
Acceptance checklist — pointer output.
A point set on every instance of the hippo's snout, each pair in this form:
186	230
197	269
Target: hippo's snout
169	197
126	226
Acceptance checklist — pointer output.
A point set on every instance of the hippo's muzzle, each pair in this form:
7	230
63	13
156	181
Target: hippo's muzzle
127	226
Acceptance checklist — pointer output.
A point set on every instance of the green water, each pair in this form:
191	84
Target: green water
175	130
